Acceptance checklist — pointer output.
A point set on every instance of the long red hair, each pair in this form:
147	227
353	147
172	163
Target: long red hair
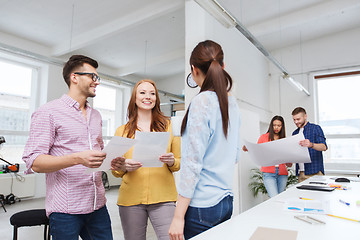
159	122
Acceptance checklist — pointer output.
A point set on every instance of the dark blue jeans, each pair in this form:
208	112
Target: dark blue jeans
198	220
91	226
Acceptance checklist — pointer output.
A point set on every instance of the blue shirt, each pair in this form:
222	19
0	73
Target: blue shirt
315	134
207	157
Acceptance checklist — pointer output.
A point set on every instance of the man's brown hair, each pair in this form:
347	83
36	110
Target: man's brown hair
298	110
74	63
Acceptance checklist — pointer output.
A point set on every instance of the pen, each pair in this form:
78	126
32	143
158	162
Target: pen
305	198
346	203
343	218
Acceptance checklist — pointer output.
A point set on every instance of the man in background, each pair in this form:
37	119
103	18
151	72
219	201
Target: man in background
65	139
315	141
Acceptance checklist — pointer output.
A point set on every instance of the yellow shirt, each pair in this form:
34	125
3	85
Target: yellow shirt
148	185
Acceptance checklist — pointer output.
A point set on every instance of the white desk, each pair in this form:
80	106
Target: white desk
272	214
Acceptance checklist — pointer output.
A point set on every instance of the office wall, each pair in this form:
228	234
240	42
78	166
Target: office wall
22	189
174	84
56	84
247	66
327	54
249	70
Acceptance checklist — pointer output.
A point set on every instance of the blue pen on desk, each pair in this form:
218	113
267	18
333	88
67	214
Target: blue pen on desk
346	203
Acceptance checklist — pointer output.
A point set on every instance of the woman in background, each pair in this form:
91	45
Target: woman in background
275	177
147	192
210	147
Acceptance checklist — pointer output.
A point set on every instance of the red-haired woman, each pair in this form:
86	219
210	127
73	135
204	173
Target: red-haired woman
147	192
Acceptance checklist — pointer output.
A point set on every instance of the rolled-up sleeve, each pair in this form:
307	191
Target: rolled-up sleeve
120	132
175	148
319	136
41	138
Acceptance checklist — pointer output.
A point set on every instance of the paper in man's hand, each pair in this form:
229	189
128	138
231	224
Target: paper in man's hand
285	150
117	147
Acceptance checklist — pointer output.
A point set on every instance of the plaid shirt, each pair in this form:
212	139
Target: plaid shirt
315	134
58	128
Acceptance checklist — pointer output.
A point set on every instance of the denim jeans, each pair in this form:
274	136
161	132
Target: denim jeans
91	226
274	183
198	220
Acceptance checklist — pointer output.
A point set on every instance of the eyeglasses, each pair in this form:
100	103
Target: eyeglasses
94	77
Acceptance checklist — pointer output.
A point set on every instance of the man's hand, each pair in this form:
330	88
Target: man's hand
118	164
306	143
315	146
91	158
167	158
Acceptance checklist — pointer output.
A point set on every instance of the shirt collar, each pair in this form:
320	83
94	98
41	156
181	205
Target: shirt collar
72	102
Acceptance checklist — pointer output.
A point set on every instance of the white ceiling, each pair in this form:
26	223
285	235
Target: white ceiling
145	38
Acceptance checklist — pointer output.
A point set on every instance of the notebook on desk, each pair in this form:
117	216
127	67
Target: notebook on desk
273	234
316	188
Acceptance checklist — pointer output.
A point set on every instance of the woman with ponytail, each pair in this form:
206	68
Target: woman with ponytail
209	148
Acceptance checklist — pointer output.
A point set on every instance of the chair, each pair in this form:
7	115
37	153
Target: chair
2	201
30	218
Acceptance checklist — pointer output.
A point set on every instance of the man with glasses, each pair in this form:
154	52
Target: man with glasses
65	139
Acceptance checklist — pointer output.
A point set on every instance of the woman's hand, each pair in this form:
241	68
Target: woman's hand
118	164
131	165
176	231
244	149
168	159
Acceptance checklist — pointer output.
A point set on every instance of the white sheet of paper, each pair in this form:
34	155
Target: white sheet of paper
149	147
285	150
117	147
306	206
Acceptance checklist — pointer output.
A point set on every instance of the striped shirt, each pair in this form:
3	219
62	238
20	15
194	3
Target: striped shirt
59	128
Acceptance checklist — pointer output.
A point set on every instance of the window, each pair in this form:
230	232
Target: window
111	101
339	116
15	104
104	102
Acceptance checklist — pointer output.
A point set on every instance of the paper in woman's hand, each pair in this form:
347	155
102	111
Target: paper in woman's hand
117	147
285	150
149	147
